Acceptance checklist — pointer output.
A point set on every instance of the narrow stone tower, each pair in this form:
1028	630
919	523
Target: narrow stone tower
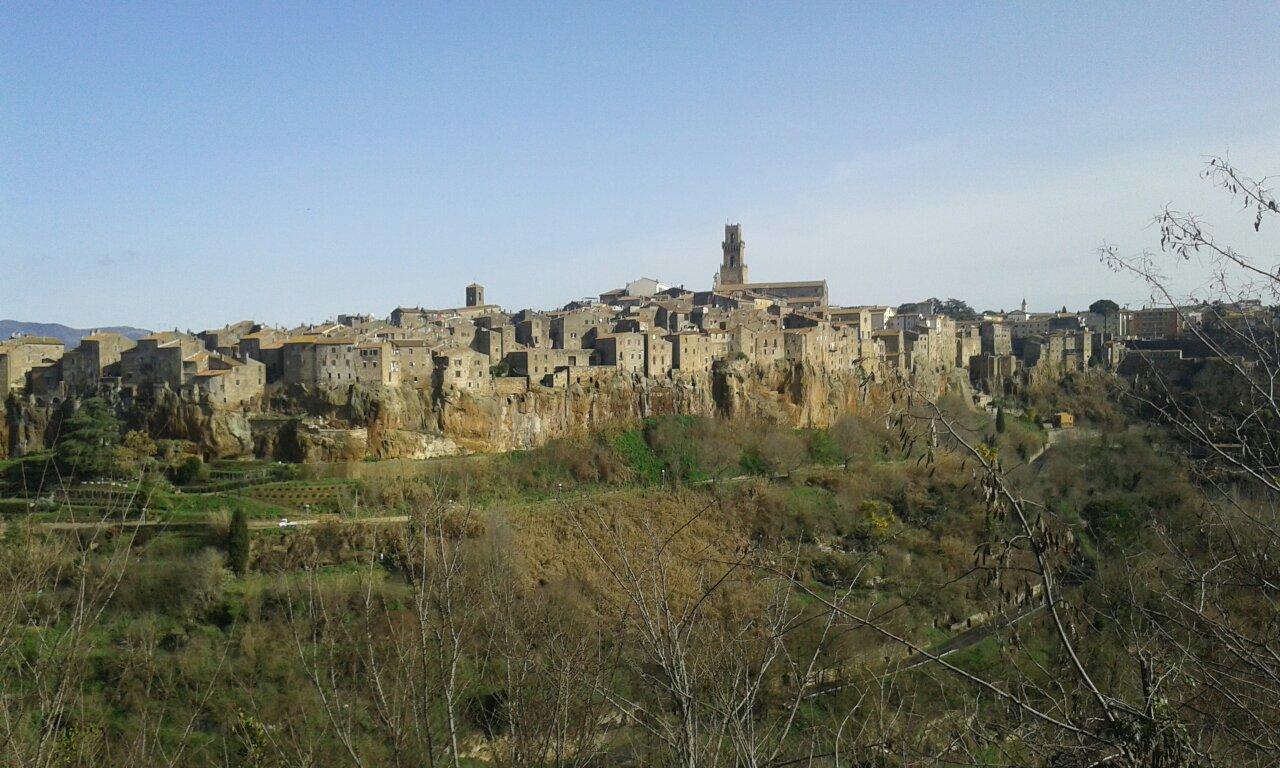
733	269
475	295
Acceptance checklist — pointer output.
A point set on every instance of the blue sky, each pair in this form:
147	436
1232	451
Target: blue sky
177	165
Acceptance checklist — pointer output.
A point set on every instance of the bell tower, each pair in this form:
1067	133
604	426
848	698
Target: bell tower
733	267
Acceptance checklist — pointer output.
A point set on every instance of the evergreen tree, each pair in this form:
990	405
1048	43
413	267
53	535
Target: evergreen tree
87	446
1000	425
238	542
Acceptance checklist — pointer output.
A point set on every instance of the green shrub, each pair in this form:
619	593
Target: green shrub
637	455
191	471
822	448
752	463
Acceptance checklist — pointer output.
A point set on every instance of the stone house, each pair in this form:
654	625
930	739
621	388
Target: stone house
532	330
657	355
1157	323
996	338
227	382
810	346
166	359
644	287
461	369
624	350
98	355
21	354
495	342
267	347
990	372
690	351
968	343
539	363
856	317
894	345
321	361
415	361
375	363
672	315
1070	351
578	330
44	381
408	317
225	340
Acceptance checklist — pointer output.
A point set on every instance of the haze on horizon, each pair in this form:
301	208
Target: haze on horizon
164	166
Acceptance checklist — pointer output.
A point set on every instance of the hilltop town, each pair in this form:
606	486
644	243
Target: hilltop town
646	331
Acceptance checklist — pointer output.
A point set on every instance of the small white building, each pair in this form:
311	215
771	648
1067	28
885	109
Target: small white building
645	286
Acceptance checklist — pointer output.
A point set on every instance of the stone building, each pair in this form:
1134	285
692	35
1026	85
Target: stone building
881	316
1157	323
657	355
996	338
414	360
267	347
227	382
97	356
624	350
894	344
1069	351
225	340
732	277
645	287
673	315
462	369
968	343
733	267
860	318
992	373
167	359
21	354
690	351
578	330
537	364
376	364
495	341
532	330
808	346
408	317
321	361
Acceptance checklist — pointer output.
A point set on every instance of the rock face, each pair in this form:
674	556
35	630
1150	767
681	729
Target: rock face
369	422
797	395
219	433
25	428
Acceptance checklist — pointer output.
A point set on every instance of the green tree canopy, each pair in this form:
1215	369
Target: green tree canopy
87	445
1104	307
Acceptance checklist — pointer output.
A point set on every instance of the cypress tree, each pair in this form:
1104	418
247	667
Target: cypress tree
238	543
1000	418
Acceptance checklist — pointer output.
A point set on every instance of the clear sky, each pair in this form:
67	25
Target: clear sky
176	164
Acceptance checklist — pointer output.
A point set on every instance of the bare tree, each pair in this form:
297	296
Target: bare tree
707	669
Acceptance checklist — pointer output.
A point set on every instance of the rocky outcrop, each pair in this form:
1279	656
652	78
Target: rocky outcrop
496	422
25	427
371	422
218	433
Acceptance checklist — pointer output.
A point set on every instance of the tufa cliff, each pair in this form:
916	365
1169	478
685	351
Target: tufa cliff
370	422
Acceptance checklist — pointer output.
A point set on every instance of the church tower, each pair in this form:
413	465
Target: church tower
733	269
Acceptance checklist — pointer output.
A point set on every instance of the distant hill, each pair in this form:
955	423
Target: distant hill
69	336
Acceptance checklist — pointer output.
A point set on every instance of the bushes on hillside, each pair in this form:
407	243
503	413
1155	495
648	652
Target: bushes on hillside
87	445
